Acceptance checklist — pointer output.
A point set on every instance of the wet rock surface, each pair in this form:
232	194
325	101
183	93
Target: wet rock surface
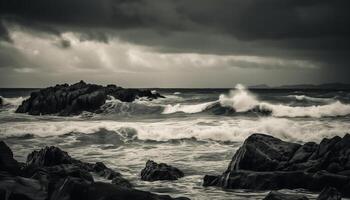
73	99
274	195
51	174
264	163
154	171
329	193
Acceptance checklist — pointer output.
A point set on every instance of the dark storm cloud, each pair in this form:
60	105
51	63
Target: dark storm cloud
316	31
245	19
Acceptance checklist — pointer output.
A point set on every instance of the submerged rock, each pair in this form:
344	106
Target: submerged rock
274	195
154	171
329	193
264	163
74	99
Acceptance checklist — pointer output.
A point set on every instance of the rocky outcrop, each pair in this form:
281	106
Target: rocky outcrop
265	163
154	171
274	195
73	99
51	174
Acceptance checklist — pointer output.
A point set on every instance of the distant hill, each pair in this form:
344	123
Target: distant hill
338	86
261	86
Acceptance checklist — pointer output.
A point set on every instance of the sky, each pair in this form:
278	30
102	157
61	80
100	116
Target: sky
174	43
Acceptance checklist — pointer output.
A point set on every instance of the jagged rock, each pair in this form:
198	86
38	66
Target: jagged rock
329	193
73	99
265	162
49	156
7	162
154	171
275	195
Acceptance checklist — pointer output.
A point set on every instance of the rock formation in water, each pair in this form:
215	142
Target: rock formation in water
51	174
154	172
274	195
73	99
268	163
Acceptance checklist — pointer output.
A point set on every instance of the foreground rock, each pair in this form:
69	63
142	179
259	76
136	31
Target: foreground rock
73	99
267	163
7	163
154	172
274	195
51	174
329	193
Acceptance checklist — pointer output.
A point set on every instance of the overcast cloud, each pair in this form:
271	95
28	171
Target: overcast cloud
174	43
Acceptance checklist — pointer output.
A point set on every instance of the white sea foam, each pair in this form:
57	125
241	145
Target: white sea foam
242	101
330	110
307	98
15	101
203	129
195	108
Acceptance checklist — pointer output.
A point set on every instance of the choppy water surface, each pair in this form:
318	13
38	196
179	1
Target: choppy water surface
197	131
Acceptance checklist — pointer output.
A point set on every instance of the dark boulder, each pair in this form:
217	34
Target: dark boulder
265	163
154	171
62	162
262	153
74	99
7	162
329	193
275	195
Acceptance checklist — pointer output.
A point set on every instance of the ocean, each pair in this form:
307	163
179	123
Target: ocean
195	130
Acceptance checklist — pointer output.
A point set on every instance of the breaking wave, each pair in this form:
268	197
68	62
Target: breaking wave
234	130
13	102
241	100
307	98
196	108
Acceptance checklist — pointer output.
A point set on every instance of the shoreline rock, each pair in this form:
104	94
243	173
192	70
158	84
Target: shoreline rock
275	195
155	172
66	100
51	174
267	163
